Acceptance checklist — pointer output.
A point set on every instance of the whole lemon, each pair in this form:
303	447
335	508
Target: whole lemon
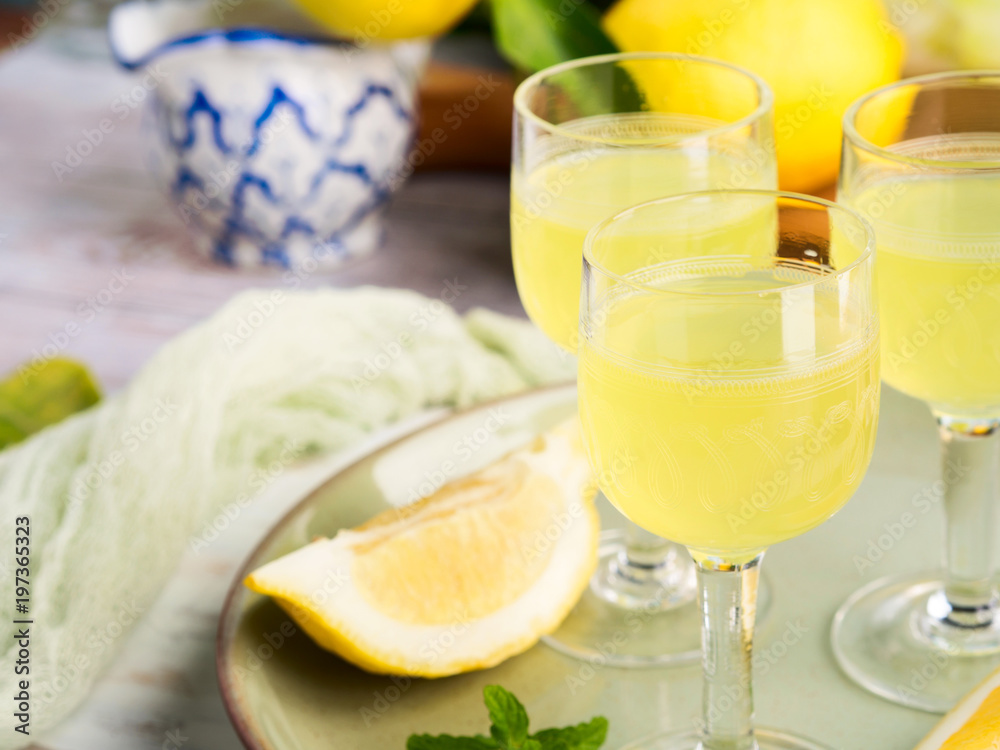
817	55
366	20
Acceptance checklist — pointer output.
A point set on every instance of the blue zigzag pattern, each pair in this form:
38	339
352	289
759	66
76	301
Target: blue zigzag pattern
278	96
198	105
235	223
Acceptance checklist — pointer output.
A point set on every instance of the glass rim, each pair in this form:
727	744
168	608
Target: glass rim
866	253
852	136
765	96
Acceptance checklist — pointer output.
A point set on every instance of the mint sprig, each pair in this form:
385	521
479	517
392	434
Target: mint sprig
509	731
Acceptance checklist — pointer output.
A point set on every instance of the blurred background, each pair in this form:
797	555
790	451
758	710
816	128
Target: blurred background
160	157
116	234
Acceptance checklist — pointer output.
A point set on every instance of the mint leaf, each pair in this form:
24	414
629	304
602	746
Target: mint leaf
510	720
588	736
510	731
447	742
534	34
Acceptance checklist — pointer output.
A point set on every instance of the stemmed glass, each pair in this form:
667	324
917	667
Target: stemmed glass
922	161
591	137
728	387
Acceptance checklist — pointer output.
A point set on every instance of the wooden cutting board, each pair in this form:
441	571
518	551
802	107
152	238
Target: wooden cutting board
466	116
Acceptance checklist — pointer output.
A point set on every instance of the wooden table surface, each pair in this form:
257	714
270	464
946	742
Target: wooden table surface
60	244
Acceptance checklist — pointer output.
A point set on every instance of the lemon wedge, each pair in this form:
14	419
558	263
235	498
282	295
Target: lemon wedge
973	724
461	580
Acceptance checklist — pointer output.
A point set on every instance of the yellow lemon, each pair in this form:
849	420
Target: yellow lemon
974	724
366	20
817	56
460	580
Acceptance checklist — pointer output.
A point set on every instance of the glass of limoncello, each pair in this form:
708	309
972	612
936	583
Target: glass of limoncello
922	162
591	137
729	391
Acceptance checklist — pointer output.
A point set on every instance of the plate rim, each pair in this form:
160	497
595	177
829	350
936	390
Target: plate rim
227	615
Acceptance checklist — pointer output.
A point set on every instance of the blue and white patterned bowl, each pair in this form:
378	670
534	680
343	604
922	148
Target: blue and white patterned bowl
277	149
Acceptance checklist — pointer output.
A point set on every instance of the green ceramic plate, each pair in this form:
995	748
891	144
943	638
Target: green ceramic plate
281	690
284	693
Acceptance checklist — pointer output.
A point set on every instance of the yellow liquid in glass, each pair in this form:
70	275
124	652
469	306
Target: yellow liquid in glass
729	428
939	288
554	207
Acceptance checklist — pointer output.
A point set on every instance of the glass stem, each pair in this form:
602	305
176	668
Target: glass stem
644	550
647	573
728	598
970	470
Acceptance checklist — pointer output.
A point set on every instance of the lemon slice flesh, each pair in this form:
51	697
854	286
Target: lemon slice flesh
973	724
471	575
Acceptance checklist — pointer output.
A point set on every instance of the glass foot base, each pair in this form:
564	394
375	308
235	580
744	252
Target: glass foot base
886	639
667	584
630	623
767	739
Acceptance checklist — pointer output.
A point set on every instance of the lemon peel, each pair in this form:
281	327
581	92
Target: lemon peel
462	580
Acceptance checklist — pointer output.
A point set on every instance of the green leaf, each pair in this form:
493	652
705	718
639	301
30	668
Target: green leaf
510	731
510	720
587	736
535	34
447	742
41	393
